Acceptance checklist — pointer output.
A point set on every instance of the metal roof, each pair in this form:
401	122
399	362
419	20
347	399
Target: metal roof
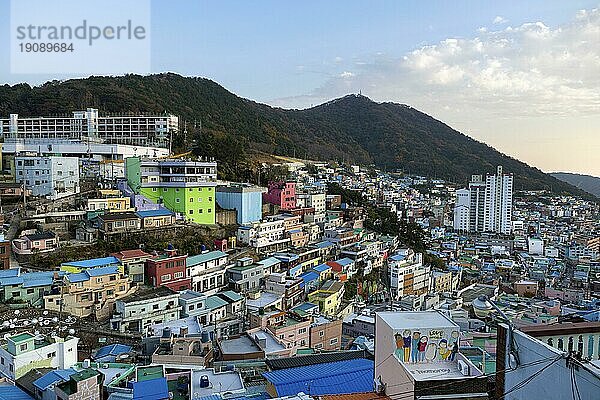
151	389
53	377
112	350
350	376
205	257
154	213
10	392
92	263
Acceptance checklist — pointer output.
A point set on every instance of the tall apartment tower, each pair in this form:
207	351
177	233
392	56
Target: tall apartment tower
498	202
489	204
477	189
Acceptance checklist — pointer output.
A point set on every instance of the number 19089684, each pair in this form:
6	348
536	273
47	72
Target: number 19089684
45	47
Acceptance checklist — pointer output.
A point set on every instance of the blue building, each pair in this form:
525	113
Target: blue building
245	199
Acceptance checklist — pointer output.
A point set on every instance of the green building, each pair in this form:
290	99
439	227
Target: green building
184	187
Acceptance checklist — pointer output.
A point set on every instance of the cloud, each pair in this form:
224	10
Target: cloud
527	70
499	20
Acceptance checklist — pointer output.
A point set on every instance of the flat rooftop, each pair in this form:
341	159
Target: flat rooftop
219	382
240	345
417	320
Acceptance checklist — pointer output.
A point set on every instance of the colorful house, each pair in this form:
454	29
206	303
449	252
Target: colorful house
245	199
282	194
184	187
83	265
168	269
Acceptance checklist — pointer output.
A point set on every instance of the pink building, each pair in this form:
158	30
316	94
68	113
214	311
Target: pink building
35	243
281	193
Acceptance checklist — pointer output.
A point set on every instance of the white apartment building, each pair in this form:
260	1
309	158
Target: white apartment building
461	210
25	351
53	177
407	274
498	202
489	204
137	130
261	235
208	271
144	308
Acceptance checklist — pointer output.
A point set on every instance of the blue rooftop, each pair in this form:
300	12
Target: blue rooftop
102	271
205	257
10	273
310	276
322	268
10	392
93	263
268	262
112	350
53	377
154	213
151	389
31	279
350	376
345	261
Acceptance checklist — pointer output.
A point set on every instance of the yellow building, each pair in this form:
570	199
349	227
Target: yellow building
92	292
329	297
110	204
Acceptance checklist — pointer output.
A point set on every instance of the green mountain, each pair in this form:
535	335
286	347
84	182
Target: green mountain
590	184
221	124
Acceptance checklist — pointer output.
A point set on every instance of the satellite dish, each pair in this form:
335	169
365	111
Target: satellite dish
34	321
45	312
6	336
6	324
17	312
55	319
71	331
12	326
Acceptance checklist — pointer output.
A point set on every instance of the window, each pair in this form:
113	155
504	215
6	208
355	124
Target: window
191	212
23	347
301	331
178	200
191	199
321	333
166	277
50	355
178	275
155	307
30	291
154	189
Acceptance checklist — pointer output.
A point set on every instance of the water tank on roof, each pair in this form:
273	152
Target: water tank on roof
204	337
170	246
203	248
204	382
166	333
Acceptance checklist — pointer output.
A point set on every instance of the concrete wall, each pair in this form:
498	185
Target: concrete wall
554	382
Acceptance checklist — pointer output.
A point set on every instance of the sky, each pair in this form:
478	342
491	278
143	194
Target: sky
521	76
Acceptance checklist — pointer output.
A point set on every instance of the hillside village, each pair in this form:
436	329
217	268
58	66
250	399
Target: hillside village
130	272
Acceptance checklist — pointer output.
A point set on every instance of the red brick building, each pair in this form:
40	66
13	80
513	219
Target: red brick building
168	269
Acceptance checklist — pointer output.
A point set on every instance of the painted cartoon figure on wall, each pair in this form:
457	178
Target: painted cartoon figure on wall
406	339
444	350
399	345
455	340
422	348
414	354
430	352
416	347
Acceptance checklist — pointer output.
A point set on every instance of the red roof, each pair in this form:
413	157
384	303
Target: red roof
125	254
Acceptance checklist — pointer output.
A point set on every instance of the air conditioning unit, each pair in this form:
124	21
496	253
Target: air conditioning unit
464	368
